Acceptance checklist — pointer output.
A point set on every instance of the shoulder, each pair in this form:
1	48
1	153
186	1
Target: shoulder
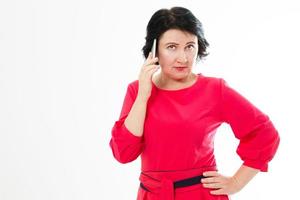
133	84
133	87
211	81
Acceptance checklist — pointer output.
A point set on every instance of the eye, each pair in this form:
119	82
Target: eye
172	47
191	46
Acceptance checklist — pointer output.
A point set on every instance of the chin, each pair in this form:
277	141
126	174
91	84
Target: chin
181	75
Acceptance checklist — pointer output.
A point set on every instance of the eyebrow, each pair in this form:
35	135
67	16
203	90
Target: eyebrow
178	44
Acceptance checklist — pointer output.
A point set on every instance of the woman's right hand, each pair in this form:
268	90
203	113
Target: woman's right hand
145	77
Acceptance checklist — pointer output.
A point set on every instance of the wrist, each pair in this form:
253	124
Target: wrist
141	98
238	183
244	175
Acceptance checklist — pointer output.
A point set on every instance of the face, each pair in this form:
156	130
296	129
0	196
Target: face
177	53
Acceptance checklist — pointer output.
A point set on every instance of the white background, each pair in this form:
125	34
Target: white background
64	70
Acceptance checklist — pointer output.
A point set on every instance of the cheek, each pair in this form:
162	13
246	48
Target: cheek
166	58
192	55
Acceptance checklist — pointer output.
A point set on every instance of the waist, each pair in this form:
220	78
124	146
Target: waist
175	175
163	183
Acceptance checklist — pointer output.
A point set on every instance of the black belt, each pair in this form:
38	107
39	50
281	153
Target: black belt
182	183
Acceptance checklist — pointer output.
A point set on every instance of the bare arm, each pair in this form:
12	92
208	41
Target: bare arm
244	174
136	117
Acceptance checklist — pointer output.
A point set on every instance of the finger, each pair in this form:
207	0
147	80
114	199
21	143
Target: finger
212	185
151	61
153	70
209	180
149	72
150	67
211	173
150	56
218	192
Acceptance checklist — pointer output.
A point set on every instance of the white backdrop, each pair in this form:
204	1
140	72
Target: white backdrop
64	69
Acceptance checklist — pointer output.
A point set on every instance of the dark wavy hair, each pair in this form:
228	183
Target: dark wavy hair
175	18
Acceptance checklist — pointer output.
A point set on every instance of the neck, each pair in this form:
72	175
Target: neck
166	82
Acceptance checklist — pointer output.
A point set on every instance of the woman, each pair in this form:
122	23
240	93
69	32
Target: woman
170	119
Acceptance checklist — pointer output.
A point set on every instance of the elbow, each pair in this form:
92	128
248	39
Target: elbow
123	158
276	143
125	155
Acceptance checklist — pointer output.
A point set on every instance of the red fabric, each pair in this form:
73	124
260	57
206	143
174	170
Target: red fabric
161	186
180	126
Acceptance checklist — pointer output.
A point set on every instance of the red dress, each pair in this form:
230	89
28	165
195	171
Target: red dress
178	137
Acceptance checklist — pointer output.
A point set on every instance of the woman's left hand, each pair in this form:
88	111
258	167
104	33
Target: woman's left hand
221	185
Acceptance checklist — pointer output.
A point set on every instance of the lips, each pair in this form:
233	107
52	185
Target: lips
180	69
180	66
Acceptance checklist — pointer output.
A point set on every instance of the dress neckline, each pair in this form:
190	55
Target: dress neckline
181	89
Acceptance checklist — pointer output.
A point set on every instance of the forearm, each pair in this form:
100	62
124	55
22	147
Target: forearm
244	175
136	117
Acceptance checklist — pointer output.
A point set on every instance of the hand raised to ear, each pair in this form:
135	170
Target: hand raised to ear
145	77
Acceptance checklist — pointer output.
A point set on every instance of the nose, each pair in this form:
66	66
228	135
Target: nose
182	58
